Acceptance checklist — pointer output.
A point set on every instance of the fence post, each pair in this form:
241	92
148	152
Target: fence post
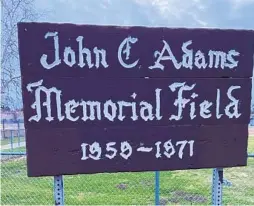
217	186
11	140
4	128
157	188
58	190
18	133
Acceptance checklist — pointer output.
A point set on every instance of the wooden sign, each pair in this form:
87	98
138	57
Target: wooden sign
120	99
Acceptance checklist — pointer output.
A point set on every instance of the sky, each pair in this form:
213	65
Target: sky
171	13
232	14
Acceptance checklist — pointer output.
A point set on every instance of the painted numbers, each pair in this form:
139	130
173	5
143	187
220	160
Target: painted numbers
167	149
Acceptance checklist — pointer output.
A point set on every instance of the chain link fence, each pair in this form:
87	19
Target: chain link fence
136	188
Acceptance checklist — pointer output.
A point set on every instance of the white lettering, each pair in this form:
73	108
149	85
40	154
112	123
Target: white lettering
145	106
180	102
70	107
122	104
233	104
84	155
191	143
183	144
220	58
83	51
44	57
95	151
93	105
110	148
193	105
100	57
144	149
69	52
188	55
218	115
160	57
158	104
232	63
37	104
126	147
204	109
169	146
109	116
199	56
126	43
158	149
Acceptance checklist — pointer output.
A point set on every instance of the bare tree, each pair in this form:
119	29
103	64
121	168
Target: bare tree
13	11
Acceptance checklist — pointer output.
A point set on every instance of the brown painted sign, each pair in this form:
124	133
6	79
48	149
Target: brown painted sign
118	99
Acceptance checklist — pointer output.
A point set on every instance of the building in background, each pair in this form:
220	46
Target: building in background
12	123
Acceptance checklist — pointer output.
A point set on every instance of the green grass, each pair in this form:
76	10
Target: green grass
177	187
15	140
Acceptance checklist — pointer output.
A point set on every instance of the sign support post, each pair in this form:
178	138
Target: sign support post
217	186
157	188
58	190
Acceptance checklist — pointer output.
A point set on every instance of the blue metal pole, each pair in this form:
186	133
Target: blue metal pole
251	155
58	190
217	186
157	188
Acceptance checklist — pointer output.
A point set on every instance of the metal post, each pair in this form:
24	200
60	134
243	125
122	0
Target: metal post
11	140
18	134
251	155
3	128
58	190
217	186
157	188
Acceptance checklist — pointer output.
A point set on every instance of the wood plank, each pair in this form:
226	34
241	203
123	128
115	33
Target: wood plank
164	104
58	151
33	44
